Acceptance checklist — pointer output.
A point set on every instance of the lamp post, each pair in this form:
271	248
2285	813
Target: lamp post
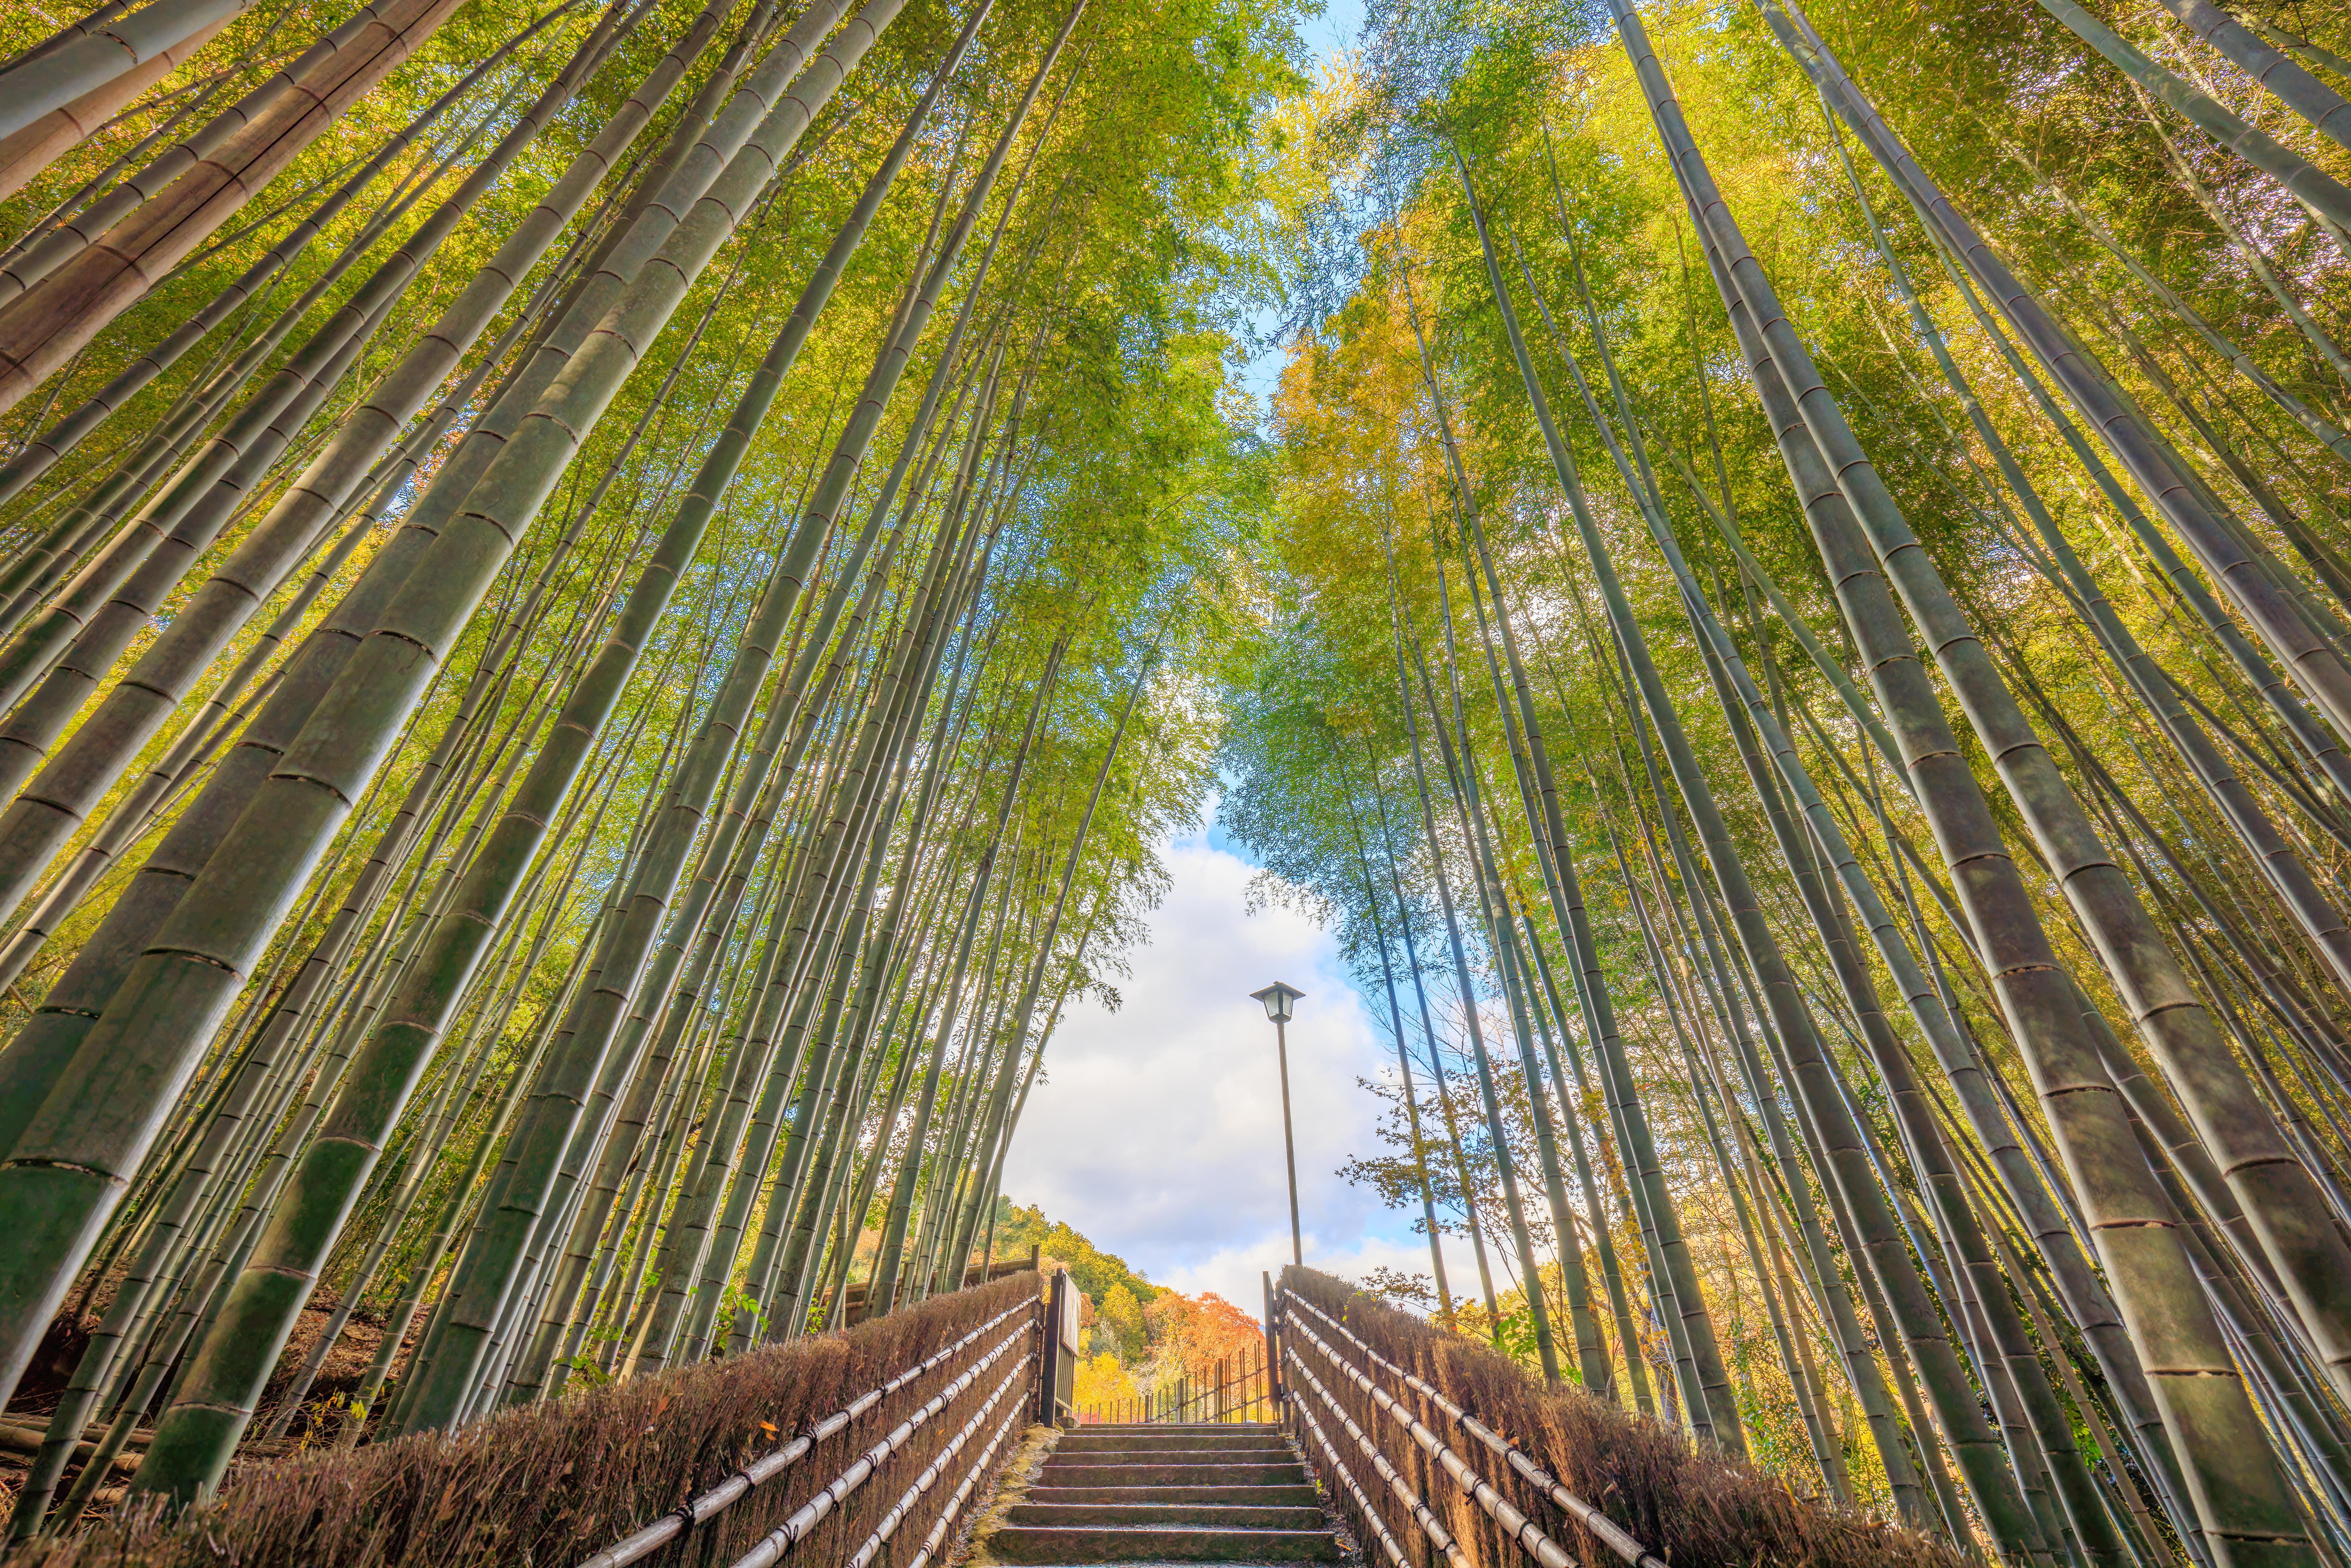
1278	1000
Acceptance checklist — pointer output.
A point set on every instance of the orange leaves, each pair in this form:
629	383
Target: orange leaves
1195	1333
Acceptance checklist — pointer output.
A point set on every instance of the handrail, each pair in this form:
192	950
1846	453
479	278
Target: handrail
1388	1542
979	1467
679	1520
891	1520
1524	1530
1422	1514
809	1514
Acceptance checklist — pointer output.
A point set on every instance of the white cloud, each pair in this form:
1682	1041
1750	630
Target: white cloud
1157	1131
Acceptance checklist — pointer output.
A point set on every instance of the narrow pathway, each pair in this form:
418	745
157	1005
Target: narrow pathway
1164	1493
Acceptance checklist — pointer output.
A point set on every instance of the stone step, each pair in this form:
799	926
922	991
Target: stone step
1182	1427
1220	1439
1058	1472
1233	1516
1173	1442
1299	1495
1158	1543
1228	1494
1237	1431
1256	1454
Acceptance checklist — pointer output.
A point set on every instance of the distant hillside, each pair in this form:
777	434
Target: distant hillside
1136	1332
1095	1271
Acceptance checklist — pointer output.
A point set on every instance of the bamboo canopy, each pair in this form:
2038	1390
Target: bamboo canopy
607	611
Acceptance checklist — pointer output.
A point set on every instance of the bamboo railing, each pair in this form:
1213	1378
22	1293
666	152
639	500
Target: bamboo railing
1442	1453
1318	1350
990	1383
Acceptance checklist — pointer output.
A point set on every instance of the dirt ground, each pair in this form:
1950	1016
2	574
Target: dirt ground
26	1418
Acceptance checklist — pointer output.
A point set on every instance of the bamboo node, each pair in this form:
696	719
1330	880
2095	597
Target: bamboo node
2281	1160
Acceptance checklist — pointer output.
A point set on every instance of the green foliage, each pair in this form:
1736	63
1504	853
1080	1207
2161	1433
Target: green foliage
2001	104
1256	583
1121	1316
1099	1274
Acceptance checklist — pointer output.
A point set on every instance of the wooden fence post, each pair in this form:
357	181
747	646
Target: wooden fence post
1272	1345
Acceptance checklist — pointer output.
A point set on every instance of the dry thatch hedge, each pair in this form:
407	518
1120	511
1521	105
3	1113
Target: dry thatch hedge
549	1484
1691	1508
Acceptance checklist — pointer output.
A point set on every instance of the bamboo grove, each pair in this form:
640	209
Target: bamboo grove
1805	661
600	610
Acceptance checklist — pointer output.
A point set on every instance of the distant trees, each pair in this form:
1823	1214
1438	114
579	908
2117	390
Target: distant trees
1141	1325
1121	1322
1104	1380
1194	1335
1096	1273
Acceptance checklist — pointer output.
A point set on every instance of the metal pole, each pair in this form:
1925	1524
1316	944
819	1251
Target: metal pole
1289	1144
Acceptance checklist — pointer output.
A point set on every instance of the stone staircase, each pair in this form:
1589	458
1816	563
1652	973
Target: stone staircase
1164	1493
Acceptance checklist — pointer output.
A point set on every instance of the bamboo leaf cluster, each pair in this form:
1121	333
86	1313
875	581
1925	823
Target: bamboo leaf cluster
1802	664
598	652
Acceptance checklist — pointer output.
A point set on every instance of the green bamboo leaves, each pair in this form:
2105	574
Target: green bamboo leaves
570	830
174	996
542	920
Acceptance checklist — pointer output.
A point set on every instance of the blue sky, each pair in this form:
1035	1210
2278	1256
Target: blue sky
1157	1129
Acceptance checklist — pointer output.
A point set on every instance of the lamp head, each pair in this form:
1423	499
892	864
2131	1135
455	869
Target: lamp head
1278	999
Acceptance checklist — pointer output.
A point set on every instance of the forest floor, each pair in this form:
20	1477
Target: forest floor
25	1419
